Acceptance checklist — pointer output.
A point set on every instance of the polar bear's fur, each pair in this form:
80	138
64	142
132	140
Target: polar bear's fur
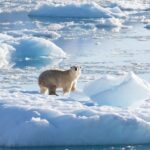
53	79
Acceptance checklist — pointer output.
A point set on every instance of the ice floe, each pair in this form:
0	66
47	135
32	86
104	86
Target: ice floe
28	50
124	91
31	119
43	120
72	10
37	47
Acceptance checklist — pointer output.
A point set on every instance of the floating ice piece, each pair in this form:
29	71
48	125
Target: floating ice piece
29	51
122	91
32	51
71	10
35	48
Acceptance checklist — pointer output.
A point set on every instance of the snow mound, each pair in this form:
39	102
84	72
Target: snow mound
31	119
71	10
124	91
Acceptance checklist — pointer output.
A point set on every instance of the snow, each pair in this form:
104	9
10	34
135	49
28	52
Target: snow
128	5
124	91
42	33
5	55
71	10
4	38
31	119
49	34
108	23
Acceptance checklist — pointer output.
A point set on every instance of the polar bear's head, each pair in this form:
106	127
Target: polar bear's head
75	71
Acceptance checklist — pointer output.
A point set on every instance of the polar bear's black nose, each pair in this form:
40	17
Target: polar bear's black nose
75	68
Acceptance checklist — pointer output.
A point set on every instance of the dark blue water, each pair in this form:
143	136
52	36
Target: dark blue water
117	147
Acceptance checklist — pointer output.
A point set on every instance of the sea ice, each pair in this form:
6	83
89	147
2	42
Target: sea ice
124	91
35	48
109	23
43	33
17	50
31	119
28	118
72	10
5	55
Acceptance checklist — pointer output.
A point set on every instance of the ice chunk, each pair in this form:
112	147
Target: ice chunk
33	51
122	91
33	47
72	10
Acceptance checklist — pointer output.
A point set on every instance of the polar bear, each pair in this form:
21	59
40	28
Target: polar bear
53	79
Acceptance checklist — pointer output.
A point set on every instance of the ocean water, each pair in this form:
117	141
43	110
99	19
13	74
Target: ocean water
99	46
116	147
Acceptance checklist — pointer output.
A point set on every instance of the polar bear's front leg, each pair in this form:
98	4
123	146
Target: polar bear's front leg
43	89
67	88
73	88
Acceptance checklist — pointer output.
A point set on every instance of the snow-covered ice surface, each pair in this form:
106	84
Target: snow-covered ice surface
110	39
31	119
118	91
72	10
